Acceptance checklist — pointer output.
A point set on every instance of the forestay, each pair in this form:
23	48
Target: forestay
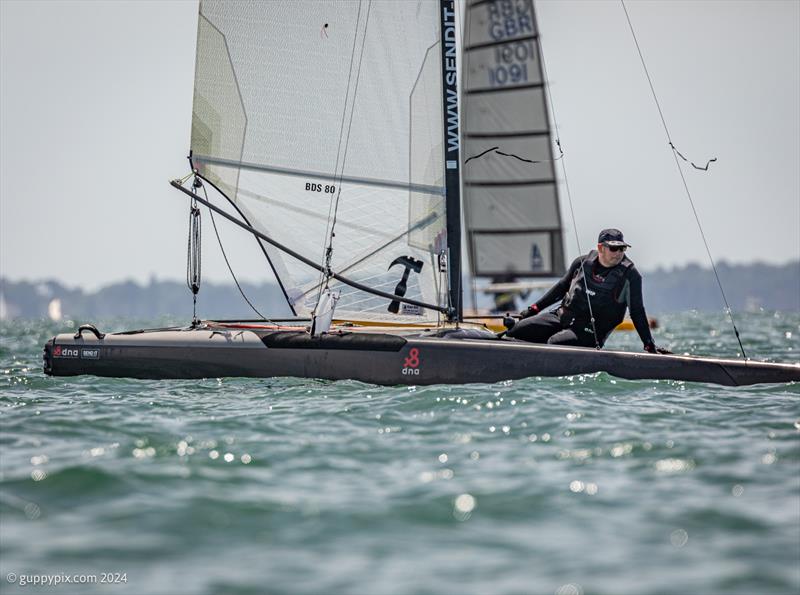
298	102
511	204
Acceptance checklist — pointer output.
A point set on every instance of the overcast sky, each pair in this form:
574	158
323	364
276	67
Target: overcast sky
96	101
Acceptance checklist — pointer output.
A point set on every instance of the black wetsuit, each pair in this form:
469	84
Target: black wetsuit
614	290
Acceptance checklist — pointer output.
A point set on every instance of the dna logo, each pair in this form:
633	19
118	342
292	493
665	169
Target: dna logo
411	363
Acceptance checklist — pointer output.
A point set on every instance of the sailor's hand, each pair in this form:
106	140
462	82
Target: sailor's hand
531	310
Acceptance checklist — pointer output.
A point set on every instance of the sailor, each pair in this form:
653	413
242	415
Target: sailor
601	284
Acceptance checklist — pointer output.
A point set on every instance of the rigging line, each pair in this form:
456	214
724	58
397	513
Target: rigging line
655	98
421	224
325	257
563	160
225	256
306	261
329	251
728	308
289	302
185	178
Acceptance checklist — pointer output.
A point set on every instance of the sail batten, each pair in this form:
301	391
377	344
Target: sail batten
480	91
513	183
318	175
507	134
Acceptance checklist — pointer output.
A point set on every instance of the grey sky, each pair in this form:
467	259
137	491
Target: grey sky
96	102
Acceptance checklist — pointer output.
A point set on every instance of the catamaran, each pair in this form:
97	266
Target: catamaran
331	132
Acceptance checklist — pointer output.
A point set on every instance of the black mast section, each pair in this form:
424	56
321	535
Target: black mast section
452	154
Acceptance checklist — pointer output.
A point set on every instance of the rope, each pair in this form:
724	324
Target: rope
349	128
480	155
496	150
327	254
694	165
185	178
563	160
675	154
225	256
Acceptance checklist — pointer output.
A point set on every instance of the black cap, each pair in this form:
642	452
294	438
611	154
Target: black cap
611	237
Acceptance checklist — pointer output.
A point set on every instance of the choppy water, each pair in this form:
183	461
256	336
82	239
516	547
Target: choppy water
570	485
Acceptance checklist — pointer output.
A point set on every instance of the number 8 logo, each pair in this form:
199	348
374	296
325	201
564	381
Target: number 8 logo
413	360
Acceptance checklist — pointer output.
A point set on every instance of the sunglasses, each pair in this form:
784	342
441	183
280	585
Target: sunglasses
617	248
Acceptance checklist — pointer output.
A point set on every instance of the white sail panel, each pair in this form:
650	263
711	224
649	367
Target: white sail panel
510	193
499	112
297	104
508	65
504	254
511	207
514	166
499	20
363	249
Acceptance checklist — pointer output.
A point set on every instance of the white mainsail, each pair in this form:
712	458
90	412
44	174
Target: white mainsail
511	204
298	104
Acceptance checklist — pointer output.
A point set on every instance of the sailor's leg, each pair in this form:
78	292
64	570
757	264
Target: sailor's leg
570	337
536	329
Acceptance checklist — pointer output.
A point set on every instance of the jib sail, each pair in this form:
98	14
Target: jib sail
300	104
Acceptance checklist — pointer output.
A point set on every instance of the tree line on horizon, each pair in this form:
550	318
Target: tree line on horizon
750	287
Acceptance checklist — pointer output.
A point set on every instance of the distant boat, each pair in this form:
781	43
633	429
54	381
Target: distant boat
4	310
54	310
332	129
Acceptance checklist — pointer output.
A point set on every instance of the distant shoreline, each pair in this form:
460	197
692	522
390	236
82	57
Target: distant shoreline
691	287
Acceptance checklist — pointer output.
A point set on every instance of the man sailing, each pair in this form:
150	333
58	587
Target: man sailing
599	285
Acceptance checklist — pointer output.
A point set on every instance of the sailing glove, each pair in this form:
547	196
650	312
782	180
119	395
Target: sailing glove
531	310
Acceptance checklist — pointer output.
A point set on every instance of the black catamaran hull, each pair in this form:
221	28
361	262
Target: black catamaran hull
379	358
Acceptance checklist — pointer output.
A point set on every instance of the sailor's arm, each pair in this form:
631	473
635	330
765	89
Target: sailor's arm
638	314
555	293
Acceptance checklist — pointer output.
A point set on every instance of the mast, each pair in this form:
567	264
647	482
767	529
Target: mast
451	155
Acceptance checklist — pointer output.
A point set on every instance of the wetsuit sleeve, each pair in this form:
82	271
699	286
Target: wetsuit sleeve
636	307
559	290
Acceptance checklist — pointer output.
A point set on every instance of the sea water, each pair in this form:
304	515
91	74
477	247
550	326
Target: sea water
576	485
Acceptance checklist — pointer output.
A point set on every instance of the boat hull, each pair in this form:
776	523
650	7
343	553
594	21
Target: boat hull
374	357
